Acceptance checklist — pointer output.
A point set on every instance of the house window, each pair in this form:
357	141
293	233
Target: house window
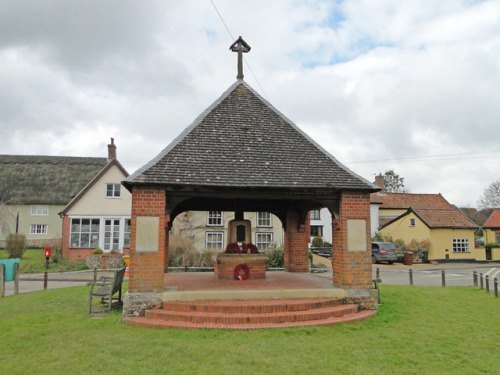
264	219
316	230
460	245
215	218
126	233
412	222
497	236
84	233
214	240
38	210
113	190
315	214
39	229
263	240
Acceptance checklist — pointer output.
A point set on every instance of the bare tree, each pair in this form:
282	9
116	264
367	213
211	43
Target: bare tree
393	183
491	196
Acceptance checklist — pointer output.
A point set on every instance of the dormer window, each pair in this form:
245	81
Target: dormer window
113	190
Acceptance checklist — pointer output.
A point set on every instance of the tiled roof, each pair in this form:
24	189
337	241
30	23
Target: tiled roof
447	218
45	179
432	209
493	220
406	200
241	140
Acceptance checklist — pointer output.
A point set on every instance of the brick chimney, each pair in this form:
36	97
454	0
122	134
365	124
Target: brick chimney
379	181
112	150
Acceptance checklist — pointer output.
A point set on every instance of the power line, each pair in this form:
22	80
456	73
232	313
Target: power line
457	156
244	59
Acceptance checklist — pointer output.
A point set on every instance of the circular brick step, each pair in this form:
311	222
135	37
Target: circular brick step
159	323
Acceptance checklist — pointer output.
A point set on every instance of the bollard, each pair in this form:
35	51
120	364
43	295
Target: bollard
495	286
481	281
16	278
377	273
487	279
2	280
474	278
95	275
443	278
410	272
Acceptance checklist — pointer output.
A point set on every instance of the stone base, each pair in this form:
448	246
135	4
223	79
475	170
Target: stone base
366	299
246	266
135	304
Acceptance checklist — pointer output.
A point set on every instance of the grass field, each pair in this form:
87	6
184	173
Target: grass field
34	261
419	330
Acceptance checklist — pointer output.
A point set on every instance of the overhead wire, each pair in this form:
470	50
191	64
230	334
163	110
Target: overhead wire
247	64
438	157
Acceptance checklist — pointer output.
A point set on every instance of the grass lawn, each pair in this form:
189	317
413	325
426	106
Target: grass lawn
34	261
419	330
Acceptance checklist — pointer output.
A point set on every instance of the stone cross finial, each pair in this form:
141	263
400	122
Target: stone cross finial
241	47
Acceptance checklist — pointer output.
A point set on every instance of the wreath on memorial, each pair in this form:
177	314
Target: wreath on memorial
234	248
241	272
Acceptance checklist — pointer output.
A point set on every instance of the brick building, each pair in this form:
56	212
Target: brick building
242	155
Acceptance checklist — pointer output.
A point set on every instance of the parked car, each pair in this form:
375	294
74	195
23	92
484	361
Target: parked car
384	252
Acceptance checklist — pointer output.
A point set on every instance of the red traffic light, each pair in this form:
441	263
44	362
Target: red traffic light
47	251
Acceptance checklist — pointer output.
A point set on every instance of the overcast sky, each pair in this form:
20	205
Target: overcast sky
408	85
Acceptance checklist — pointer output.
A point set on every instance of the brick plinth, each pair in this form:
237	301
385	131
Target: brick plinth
147	267
351	269
227	263
296	242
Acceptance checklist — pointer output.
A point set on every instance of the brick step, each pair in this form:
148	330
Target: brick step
160	323
252	318
252	306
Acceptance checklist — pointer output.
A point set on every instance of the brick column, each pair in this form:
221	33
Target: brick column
351	261
296	242
147	265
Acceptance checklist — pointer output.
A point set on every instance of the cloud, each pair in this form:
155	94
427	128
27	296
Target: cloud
369	80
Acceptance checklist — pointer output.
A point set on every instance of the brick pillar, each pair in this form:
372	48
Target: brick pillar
296	242
147	253
351	252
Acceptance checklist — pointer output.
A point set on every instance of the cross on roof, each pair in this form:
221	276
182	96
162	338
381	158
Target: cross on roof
241	47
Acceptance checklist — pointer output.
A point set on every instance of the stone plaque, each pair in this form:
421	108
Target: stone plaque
356	235
147	233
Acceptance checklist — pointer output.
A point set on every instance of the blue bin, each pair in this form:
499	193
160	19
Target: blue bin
9	268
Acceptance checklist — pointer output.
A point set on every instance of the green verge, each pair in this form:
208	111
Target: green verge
33	261
418	330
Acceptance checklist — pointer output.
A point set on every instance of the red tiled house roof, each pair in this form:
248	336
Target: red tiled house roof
493	221
432	209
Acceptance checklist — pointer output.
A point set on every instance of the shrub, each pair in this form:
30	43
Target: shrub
276	258
97	251
15	245
317	242
181	252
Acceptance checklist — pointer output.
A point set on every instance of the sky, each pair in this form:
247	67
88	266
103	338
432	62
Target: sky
412	86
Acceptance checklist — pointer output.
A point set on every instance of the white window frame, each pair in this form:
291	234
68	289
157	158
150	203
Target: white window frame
127	224
412	222
460	245
315	214
39	210
215	219
317	235
90	243
116	190
259	242
219	241
39	228
113	234
264	220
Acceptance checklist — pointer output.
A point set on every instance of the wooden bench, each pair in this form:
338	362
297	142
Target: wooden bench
105	289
